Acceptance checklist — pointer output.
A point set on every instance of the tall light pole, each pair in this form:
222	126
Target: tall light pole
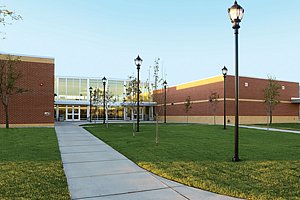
236	13
138	62
90	89
104	97
224	72
165	101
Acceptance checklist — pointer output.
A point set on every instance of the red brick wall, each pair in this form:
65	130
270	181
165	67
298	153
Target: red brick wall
256	86
254	91
30	107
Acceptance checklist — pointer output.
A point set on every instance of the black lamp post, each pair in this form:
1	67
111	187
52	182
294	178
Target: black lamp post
224	72
138	62
90	89
104	96
165	101
236	13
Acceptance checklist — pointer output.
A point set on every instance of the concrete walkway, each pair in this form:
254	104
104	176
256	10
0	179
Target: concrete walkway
96	171
270	129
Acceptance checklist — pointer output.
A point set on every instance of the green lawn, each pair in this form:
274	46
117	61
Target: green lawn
30	165
286	126
200	156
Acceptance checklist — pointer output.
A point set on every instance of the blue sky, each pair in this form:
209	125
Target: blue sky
193	38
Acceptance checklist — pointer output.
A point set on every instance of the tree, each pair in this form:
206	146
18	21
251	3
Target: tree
271	94
9	77
187	107
6	16
157	81
110	100
97	98
130	96
213	100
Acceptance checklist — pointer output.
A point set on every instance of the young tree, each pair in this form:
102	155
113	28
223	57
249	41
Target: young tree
213	100
110	100
157	81
187	107
97	96
271	94
7	16
98	100
9	77
130	96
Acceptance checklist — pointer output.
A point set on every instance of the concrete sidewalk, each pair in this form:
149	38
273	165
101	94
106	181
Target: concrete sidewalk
96	171
269	129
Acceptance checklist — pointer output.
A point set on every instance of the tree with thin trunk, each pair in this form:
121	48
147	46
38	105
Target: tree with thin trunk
98	100
9	77
187	107
157	81
271	95
110	101
7	16
213	100
131	97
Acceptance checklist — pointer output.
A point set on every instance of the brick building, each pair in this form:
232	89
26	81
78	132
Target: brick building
251	97
34	107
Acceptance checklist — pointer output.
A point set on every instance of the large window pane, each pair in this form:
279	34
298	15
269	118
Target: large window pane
62	88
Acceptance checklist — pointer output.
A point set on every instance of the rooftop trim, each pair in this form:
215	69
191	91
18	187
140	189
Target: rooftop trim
206	81
28	58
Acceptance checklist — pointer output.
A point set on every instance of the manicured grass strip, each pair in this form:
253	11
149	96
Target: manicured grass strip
19	144
200	156
33	180
285	126
30	165
250	179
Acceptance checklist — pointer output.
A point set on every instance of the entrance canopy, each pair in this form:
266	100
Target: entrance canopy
72	102
295	100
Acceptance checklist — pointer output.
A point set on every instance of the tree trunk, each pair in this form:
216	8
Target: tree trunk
6	116
133	124
271	116
214	118
187	117
156	138
106	116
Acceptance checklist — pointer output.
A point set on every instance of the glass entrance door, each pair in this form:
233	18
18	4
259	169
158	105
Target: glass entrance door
76	113
73	113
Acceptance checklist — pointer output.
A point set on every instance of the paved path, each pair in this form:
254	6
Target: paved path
96	171
269	129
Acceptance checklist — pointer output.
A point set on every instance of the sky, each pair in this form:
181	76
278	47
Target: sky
192	38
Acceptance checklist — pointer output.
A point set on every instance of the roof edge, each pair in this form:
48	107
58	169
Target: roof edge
26	58
205	81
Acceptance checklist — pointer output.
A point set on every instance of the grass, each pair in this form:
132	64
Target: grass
200	156
30	165
285	126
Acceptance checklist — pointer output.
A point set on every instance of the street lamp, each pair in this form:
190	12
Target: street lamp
104	96
138	62
165	101
91	90
224	72
236	13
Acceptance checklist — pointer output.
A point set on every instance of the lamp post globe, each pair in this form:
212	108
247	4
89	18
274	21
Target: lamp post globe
165	101
138	62
91	90
165	83
104	80
236	14
224	71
